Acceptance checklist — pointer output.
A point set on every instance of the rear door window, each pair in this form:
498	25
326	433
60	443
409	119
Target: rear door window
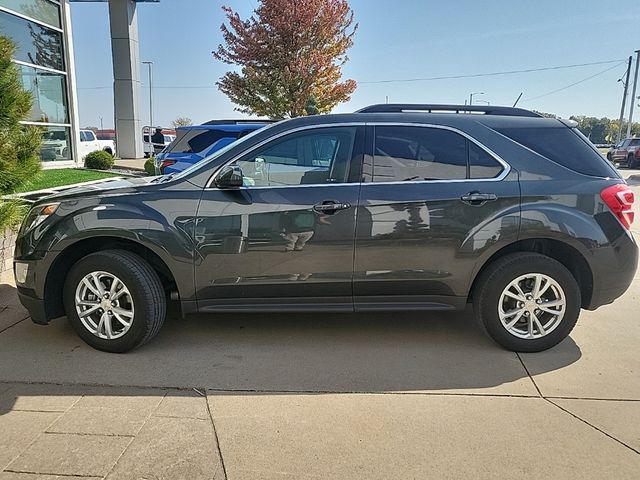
563	146
415	154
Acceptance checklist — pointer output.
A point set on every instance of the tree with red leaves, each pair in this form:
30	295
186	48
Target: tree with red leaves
290	52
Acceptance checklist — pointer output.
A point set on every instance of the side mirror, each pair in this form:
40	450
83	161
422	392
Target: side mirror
230	177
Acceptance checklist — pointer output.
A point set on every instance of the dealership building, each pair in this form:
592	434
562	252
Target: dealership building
42	31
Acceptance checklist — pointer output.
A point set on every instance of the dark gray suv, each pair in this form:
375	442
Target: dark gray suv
395	207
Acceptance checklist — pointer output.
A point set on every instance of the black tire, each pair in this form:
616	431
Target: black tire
631	161
146	292
497	276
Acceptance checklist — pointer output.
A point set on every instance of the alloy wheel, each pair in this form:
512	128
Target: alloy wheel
532	306
104	305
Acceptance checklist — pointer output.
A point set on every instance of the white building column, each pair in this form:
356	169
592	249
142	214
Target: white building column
126	78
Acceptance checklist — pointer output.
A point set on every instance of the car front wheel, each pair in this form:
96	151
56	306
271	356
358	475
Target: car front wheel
114	300
527	302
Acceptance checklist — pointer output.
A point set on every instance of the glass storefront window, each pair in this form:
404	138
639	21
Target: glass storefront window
43	10
49	95
35	44
56	144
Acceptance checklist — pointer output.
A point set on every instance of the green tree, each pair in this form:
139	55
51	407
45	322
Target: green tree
19	144
287	53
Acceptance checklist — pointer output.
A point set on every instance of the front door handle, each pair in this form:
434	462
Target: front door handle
477	198
331	206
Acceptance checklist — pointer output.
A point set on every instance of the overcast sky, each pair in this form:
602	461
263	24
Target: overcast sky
396	40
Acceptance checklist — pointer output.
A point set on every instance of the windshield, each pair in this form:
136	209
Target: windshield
222	151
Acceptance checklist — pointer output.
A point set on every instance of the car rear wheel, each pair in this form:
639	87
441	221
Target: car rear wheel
527	302
114	300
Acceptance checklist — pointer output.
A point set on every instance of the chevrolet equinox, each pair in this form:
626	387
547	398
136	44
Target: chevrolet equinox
394	207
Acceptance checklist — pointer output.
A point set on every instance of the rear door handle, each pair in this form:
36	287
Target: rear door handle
331	206
477	198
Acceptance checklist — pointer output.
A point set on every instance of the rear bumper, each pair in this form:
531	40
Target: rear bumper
613	268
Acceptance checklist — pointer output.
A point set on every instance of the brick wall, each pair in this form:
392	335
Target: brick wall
7	244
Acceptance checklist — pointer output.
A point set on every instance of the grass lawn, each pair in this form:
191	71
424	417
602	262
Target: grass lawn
63	176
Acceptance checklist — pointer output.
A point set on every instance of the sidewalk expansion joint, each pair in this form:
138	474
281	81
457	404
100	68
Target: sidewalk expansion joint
13	324
548	399
82	434
215	434
529	374
594	427
27	472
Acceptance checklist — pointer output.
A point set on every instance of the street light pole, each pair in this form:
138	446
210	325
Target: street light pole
150	65
471	96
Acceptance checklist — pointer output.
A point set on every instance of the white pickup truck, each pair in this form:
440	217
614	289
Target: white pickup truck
90	143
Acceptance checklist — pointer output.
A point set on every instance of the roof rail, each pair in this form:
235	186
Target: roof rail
238	122
435	108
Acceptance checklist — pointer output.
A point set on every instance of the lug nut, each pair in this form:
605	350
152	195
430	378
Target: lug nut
110	312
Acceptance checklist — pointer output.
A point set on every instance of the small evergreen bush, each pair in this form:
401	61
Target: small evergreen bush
149	166
99	160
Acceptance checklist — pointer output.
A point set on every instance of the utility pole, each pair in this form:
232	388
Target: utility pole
633	94
624	99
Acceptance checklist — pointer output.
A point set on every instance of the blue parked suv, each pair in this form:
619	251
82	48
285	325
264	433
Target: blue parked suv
197	142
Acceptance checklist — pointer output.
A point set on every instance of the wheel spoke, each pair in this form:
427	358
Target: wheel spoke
89	311
537	281
98	284
122	311
88	303
92	288
520	298
114	287
124	322
119	293
542	291
536	320
553	303
530	325
515	320
108	328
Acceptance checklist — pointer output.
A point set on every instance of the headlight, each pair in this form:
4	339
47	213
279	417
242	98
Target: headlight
39	214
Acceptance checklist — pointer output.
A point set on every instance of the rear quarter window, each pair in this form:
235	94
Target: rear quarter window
563	146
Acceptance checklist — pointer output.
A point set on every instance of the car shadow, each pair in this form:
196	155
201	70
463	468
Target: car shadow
440	352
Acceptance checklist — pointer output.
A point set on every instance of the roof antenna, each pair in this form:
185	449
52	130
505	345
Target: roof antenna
518	99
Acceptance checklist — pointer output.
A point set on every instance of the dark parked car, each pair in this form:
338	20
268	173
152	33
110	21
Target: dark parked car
625	153
395	207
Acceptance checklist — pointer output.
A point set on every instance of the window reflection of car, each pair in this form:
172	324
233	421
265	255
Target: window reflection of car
196	142
54	145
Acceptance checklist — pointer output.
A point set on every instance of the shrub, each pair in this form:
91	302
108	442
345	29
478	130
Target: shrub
99	160
149	166
19	144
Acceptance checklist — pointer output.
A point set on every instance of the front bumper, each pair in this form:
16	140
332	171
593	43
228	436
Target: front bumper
34	305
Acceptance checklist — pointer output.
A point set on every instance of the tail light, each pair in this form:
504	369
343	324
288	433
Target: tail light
637	152
619	198
165	164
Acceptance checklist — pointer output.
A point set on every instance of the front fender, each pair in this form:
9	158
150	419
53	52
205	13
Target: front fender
162	225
